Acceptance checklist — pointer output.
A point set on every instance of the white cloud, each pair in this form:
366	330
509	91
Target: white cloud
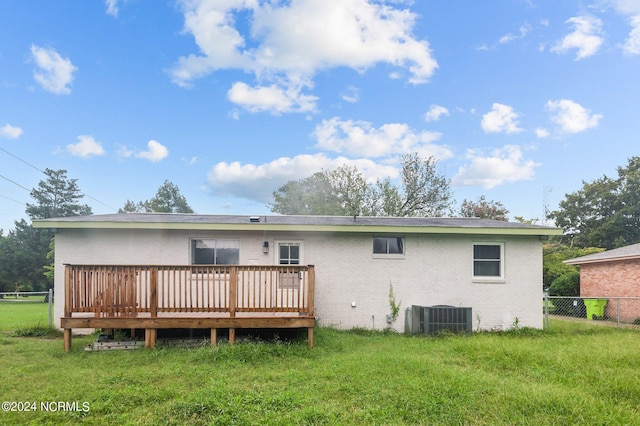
10	132
112	7
258	181
626	7
288	42
435	112
505	165
572	117
507	38
586	37
86	147
155	152
123	152
360	138
542	133
351	95
632	44
54	72
271	98
501	119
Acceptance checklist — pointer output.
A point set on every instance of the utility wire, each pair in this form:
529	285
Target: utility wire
20	159
43	172
16	183
8	198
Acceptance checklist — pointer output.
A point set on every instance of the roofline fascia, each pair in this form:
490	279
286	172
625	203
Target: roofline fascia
299	228
608	259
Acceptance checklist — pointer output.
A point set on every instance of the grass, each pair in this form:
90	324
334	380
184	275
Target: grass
574	374
15	315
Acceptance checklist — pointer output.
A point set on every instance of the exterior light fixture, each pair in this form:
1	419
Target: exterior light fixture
265	247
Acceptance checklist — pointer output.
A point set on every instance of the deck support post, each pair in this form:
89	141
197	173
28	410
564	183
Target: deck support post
67	339
310	337
214	336
150	337
232	336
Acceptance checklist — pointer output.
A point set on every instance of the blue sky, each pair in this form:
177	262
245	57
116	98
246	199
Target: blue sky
519	100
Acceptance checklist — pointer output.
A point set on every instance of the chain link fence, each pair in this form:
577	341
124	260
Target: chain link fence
621	311
23	298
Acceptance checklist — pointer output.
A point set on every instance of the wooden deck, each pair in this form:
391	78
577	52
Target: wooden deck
153	297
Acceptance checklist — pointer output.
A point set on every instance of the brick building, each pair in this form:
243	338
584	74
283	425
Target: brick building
612	274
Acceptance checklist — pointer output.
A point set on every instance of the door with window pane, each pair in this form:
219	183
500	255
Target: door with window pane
289	253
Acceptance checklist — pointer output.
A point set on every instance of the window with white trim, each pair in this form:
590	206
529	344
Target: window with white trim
388	246
488	260
289	253
215	252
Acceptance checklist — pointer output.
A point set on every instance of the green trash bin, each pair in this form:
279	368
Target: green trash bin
595	308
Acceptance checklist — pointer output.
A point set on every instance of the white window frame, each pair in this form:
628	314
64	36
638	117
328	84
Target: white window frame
290	243
215	248
389	255
488	278
287	281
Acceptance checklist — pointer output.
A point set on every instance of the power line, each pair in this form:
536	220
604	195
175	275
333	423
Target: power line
20	159
11	199
15	183
43	172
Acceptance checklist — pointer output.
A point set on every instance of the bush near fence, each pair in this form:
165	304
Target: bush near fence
623	310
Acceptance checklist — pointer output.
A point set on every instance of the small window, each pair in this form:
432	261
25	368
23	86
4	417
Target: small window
215	252
289	253
388	245
488	260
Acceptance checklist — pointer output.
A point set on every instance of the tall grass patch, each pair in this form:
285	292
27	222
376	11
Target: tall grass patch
574	374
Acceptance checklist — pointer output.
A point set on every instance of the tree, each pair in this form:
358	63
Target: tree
483	209
553	257
167	200
424	192
350	190
23	257
57	196
345	191
604	213
23	253
311	195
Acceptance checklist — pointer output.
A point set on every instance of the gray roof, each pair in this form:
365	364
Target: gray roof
296	223
622	253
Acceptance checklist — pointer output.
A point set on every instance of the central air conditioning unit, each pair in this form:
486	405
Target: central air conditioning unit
431	320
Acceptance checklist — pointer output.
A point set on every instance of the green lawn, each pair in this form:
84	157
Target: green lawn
21	314
575	374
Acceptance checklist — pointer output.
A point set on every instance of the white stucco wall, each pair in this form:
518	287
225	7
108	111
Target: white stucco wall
436	270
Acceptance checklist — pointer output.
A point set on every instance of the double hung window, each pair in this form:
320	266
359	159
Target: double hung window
488	260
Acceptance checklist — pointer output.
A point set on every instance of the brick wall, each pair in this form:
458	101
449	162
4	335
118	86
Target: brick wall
613	279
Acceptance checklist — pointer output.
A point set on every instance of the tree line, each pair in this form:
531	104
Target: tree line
603	214
26	253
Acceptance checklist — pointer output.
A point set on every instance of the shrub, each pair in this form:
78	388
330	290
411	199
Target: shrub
566	285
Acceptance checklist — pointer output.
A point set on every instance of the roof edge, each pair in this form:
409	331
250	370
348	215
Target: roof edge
577	261
262	226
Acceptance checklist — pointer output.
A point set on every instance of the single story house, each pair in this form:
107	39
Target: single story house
150	271
613	275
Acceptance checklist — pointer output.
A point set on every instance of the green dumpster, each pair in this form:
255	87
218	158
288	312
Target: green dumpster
595	308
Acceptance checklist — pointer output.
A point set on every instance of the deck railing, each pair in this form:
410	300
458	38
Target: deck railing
151	290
